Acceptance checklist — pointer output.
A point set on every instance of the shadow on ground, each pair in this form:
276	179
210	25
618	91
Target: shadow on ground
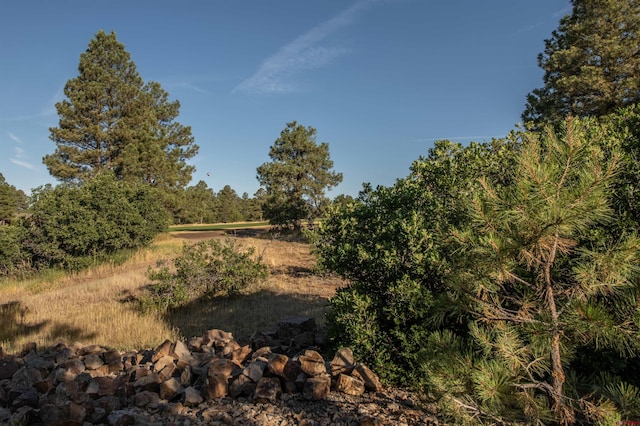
244	315
13	326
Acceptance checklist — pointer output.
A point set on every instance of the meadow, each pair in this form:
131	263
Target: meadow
98	305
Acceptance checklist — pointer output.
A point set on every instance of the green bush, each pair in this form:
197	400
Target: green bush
74	226
204	270
391	243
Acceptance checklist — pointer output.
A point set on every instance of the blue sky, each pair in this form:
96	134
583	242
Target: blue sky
380	80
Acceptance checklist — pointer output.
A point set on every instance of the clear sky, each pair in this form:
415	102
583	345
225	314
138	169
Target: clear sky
380	80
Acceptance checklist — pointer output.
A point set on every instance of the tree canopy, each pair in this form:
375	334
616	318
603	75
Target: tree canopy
112	120
591	63
297	177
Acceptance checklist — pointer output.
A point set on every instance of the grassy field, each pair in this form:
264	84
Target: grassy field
94	307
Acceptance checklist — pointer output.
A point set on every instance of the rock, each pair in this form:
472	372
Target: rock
93	362
162	350
268	389
217	386
255	370
8	369
217	338
342	362
349	385
277	364
370	379
242	385
221	366
169	389
317	387
192	397
150	382
312	363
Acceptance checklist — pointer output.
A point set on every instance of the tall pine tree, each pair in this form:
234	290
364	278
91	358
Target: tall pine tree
591	63
111	120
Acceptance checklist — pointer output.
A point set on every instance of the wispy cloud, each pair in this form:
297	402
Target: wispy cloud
19	158
275	74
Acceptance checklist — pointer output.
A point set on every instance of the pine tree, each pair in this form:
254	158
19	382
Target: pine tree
111	120
539	285
297	177
591	63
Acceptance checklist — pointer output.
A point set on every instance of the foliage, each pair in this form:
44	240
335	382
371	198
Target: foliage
15	261
591	63
111	120
12	201
72	226
296	177
390	242
540	287
204	270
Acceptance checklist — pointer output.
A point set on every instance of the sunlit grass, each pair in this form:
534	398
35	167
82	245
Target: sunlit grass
95	306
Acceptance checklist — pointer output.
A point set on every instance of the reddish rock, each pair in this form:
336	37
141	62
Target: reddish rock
162	350
170	388
342	362
349	385
312	363
217	386
317	387
370	379
268	389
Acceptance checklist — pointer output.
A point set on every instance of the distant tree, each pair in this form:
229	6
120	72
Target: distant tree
12	201
200	204
229	205
342	200
112	121
591	63
297	177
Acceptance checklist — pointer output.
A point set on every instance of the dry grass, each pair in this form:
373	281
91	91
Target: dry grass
92	307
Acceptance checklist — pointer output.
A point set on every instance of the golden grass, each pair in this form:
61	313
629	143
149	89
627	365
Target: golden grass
91	307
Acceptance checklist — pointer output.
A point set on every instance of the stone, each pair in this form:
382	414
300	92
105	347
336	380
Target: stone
317	387
349	385
170	388
371	380
217	338
8	369
342	362
75	366
221	366
268	389
312	363
255	370
240	354
93	362
242	385
192	397
150	382
162	350
217	386
277	364
28	397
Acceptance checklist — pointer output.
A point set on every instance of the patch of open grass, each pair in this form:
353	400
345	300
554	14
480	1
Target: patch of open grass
94	306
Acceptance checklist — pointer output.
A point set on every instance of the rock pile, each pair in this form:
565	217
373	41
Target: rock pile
90	384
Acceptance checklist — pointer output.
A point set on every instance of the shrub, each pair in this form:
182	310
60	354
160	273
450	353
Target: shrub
204	270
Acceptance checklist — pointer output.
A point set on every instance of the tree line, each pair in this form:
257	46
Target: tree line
122	162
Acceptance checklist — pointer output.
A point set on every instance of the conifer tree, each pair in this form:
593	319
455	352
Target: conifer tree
111	120
540	287
591	63
297	177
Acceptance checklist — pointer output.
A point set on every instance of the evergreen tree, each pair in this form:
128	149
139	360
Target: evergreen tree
591	63
12	201
540	287
111	120
297	177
